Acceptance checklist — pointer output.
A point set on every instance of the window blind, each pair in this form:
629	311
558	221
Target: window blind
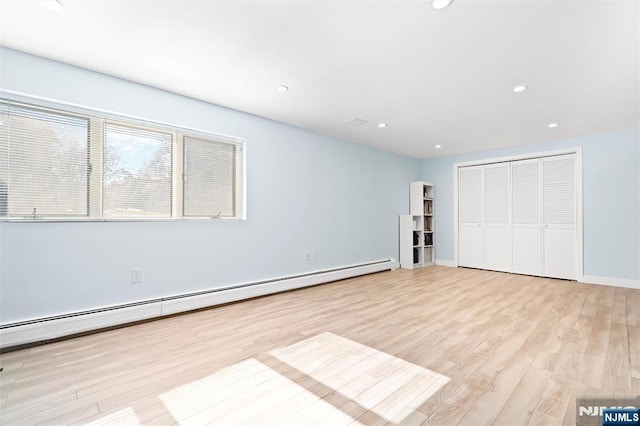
4	158
44	163
137	172
209	178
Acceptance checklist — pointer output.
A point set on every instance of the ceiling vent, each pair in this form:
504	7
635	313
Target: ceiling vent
355	122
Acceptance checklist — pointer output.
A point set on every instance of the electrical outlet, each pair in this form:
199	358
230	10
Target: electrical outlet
308	255
314	255
136	275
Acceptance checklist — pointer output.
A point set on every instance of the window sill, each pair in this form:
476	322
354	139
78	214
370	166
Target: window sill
75	220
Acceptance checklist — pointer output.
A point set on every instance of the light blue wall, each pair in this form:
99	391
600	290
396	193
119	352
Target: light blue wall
305	191
611	199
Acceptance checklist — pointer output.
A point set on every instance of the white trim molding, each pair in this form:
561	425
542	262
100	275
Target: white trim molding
611	281
446	262
41	329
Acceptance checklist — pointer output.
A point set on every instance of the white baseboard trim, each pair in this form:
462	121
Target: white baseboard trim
64	325
616	282
446	262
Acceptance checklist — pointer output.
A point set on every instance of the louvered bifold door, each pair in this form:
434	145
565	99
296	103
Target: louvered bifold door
497	246
526	203
559	217
470	229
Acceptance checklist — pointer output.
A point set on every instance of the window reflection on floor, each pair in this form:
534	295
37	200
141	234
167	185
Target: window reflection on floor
326	379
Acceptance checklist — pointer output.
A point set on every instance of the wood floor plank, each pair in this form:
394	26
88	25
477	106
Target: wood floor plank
459	401
619	309
554	399
541	419
66	418
507	350
617	377
633	308
526	394
579	391
634	350
434	345
488	406
592	371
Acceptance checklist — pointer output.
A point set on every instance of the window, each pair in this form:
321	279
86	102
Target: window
137	172
74	165
209	178
44	169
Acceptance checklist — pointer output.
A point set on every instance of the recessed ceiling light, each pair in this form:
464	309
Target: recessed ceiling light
52	4
552	125
282	88
382	125
441	4
438	146
520	88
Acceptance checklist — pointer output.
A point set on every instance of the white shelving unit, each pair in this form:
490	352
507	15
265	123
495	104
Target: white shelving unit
417	229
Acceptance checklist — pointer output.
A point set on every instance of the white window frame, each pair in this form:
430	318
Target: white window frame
172	133
66	113
97	120
240	195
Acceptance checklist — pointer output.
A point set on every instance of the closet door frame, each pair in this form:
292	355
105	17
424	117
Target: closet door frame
578	179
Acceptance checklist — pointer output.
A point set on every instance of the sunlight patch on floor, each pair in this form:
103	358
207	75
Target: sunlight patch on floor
324	379
124	417
246	392
380	382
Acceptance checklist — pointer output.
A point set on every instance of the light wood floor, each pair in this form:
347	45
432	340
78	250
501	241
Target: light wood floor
432	346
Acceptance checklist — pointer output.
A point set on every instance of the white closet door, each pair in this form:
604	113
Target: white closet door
470	229
526	205
559	217
497	247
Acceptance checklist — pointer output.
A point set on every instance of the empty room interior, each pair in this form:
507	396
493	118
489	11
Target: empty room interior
319	212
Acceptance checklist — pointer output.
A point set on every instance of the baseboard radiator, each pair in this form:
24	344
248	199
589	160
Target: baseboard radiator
42	329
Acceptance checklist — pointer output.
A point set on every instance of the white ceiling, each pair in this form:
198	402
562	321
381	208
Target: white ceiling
435	77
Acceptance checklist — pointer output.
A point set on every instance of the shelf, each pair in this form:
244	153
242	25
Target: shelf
418	249
427	206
